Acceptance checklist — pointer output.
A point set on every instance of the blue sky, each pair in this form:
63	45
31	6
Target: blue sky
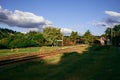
77	15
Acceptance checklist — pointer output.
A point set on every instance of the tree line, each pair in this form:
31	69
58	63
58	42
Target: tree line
113	34
50	36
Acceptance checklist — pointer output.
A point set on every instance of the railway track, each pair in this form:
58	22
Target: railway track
25	58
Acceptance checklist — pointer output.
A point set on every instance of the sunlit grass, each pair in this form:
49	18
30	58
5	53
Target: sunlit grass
5	52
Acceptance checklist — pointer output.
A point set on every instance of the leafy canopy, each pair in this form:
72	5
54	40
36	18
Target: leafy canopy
52	34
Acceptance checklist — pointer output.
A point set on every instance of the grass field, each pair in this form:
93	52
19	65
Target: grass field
96	63
5	52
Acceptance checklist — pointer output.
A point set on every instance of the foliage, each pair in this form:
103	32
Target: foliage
6	32
108	31
4	43
20	40
36	36
51	35
114	34
88	37
74	36
17	41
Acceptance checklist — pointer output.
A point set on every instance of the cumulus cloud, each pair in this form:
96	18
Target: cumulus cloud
22	19
112	13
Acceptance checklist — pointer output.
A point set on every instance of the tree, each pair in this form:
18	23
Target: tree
4	42
51	35
4	33
114	34
74	36
36	36
116	30
12	39
88	37
108	32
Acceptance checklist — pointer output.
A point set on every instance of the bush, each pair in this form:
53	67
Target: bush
20	43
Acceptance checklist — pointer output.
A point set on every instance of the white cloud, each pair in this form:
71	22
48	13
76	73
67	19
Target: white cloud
22	19
112	13
66	30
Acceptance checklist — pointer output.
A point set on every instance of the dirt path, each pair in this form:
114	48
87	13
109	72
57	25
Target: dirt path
28	57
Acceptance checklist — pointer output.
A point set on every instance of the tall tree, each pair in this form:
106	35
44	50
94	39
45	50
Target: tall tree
88	37
74	36
116	29
51	35
114	34
108	31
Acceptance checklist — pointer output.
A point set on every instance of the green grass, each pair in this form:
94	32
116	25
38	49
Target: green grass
97	63
5	52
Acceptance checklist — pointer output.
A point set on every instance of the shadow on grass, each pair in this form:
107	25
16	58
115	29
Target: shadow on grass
97	63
